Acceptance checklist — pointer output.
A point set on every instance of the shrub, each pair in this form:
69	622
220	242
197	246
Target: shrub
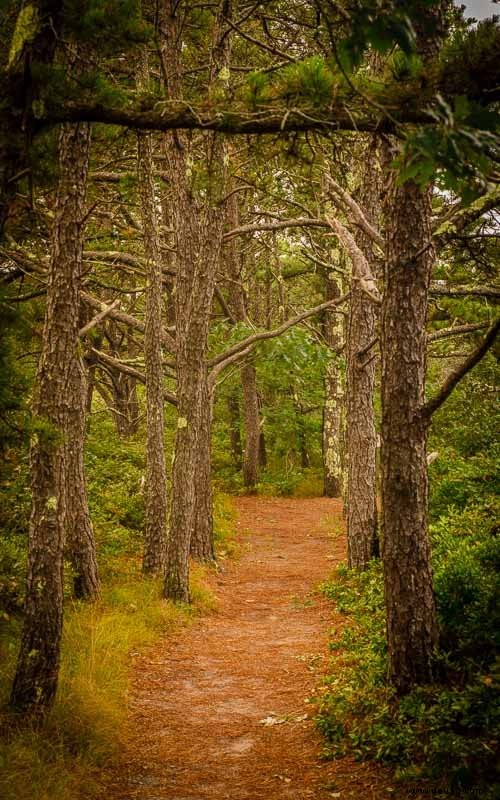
449	730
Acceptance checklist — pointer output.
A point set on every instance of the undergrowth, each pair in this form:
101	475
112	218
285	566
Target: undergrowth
63	758
447	732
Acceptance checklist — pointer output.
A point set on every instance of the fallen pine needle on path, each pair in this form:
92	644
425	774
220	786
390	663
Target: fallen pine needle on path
220	710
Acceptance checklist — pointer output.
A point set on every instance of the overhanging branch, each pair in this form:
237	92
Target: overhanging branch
456	376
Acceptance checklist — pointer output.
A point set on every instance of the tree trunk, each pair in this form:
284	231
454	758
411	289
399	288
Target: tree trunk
37	671
411	616
334	398
252	426
412	631
198	224
202	538
155	534
233	410
80	543
251	408
361	434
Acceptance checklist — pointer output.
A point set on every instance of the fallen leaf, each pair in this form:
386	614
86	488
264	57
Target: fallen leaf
272	720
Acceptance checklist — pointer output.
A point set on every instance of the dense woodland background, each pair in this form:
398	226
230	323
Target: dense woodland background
248	247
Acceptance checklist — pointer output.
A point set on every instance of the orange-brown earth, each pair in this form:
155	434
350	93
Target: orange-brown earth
220	709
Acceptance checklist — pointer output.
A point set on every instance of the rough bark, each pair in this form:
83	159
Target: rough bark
412	631
198	224
252	426
334	398
361	435
250	398
411	616
22	83
37	670
202	538
233	410
80	542
155	532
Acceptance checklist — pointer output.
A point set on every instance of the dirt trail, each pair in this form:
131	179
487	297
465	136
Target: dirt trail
200	699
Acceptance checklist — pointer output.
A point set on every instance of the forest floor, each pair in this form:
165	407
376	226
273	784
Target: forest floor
220	709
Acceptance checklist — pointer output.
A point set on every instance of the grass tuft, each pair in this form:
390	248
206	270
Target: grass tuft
62	758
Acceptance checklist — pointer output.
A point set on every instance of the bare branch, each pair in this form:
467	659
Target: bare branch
127	319
98	318
299	222
263	335
359	215
440	290
456	376
463	217
216	371
128	370
360	267
458	330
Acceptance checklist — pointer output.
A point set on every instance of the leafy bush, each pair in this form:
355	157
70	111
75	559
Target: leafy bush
449	730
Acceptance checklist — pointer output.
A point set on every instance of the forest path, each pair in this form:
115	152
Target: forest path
200	697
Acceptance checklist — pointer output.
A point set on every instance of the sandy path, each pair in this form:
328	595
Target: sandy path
199	699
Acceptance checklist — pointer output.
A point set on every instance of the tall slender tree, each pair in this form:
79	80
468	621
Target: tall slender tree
361	434
37	670
155	534
412	631
199	223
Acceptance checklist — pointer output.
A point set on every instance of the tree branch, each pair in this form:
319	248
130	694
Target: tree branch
458	330
463	217
127	370
463	291
261	336
456	376
98	318
127	319
359	215
360	267
299	222
176	115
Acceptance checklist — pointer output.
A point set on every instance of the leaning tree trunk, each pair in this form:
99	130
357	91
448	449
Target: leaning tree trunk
37	670
411	615
361	434
80	542
155	534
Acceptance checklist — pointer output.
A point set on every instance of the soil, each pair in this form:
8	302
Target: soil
220	709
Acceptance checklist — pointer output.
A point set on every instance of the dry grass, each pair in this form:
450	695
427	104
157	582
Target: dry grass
61	760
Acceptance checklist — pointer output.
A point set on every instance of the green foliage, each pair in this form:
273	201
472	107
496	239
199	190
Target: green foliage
62	758
256	91
381	25
458	152
448	731
115	468
469	60
466	552
310	81
107	26
465	471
